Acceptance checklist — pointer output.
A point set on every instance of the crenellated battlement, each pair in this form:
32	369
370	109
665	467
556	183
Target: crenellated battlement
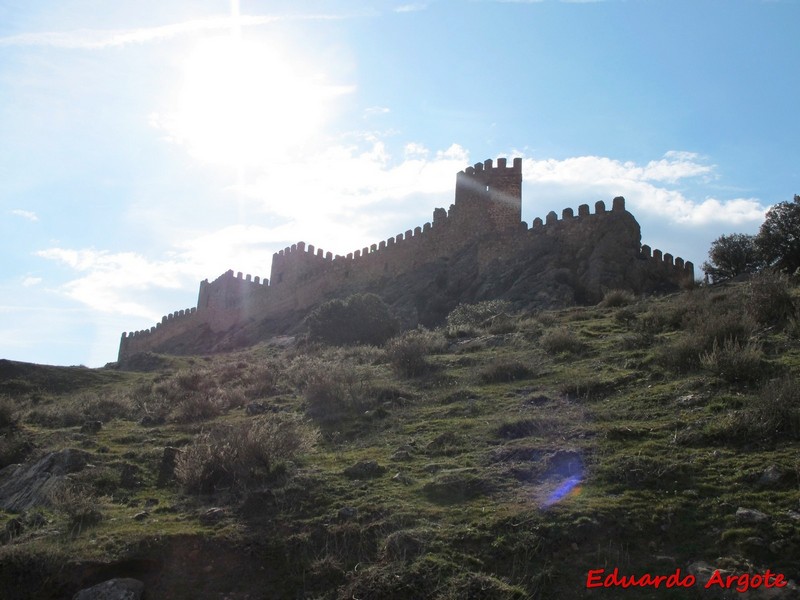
485	170
666	261
481	232
568	215
165	320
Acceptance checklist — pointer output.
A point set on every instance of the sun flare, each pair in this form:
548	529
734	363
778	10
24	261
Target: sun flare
242	103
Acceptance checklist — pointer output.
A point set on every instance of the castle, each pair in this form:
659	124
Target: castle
478	249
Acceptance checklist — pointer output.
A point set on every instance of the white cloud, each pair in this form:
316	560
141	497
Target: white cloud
645	187
374	111
25	214
31	281
406	8
106	38
119	282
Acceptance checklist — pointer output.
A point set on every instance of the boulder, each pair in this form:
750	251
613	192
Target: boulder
26	486
166	470
113	589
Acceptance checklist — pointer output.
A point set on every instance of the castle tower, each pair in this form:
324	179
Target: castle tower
489	198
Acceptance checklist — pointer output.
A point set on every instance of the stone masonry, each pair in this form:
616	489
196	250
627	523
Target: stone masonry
478	249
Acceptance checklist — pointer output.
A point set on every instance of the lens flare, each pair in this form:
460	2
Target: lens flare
570	487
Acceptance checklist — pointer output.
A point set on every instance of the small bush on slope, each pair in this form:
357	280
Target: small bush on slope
360	319
408	352
236	455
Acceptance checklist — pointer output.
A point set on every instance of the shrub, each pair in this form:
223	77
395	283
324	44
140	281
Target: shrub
262	380
561	340
236	455
405	544
625	316
778	408
78	504
712	327
7	413
771	417
408	352
734	361
331	389
769	299
197	407
681	355
360	319
616	298
503	370
13	449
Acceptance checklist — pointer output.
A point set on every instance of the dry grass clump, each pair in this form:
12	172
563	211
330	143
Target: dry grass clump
771	417
505	370
332	389
770	300
617	298
407	353
561	340
78	504
242	454
709	322
8	417
735	361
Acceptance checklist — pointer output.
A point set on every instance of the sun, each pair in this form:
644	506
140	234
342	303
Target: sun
242	103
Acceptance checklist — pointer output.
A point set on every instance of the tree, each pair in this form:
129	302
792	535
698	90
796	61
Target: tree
360	319
732	255
778	239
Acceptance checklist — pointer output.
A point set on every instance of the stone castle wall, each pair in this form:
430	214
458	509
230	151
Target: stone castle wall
486	213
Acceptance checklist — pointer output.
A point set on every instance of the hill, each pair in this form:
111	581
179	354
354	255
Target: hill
500	456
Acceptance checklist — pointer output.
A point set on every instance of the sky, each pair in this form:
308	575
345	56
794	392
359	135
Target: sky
147	145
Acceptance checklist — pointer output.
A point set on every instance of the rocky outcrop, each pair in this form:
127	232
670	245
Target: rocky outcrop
26	486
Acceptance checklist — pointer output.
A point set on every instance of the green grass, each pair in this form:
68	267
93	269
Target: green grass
519	458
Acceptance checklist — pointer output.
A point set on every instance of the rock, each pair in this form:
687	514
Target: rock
365	469
689	400
91	427
346	513
14	528
141	516
403	478
25	486
150	420
750	515
129	476
256	408
166	470
771	477
212	515
113	589
401	455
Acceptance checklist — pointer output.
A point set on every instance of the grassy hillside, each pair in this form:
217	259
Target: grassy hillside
501	457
